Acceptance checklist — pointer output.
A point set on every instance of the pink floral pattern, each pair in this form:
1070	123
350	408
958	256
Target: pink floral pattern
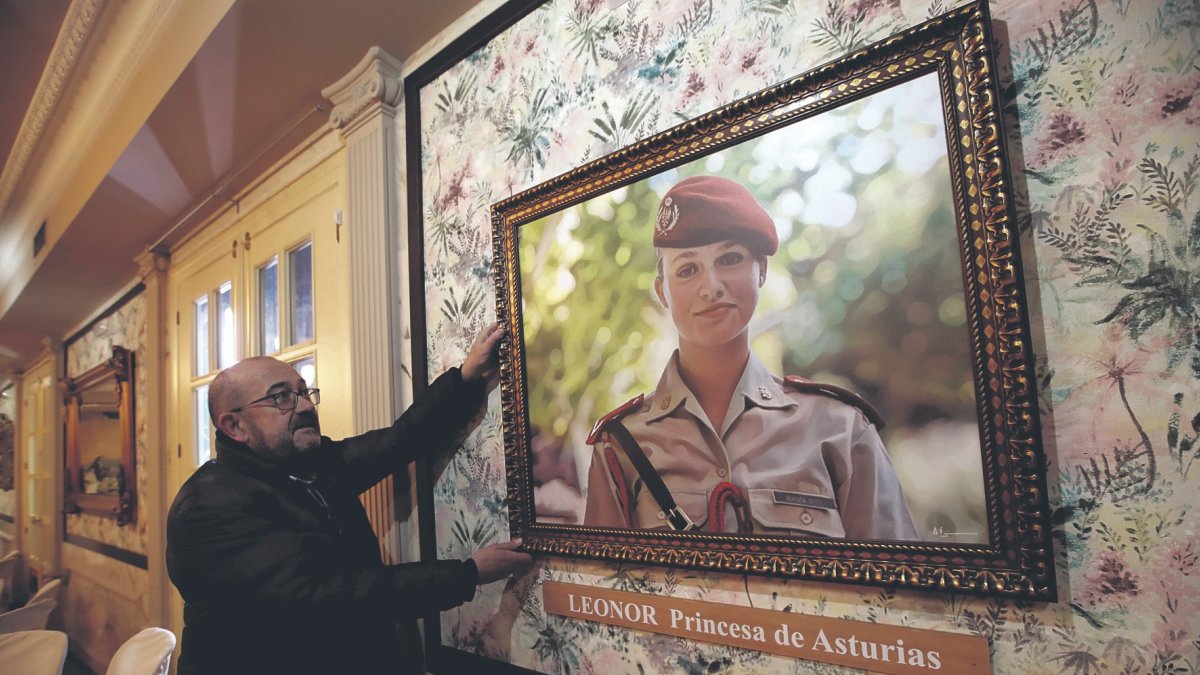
1104	127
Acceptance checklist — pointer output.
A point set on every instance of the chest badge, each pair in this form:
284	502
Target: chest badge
763	393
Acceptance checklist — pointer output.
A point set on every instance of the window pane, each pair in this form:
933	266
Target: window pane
201	337
203	435
307	367
268	304
302	293
226	340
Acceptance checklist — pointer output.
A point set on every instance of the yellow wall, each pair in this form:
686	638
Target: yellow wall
106	600
297	202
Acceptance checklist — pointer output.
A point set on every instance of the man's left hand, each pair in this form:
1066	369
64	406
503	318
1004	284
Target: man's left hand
483	361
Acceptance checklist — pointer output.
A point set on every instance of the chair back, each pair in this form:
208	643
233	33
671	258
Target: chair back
48	591
35	652
30	617
8	570
35	615
146	653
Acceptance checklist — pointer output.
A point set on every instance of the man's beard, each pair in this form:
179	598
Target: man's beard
283	446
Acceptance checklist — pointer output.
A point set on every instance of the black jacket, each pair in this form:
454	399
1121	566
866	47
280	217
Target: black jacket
275	581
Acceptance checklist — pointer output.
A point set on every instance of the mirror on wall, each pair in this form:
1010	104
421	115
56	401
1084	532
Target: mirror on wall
100	461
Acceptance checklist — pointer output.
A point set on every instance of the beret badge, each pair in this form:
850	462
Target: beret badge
668	216
701	210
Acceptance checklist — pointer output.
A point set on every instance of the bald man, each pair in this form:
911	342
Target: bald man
278	566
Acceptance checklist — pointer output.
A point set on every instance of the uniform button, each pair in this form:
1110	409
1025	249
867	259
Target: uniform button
722	473
806	518
663	516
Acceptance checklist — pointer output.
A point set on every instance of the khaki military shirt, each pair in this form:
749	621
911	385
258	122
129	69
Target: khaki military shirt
809	464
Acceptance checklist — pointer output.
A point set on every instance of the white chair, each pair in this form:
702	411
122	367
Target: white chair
8	570
37	652
35	615
147	653
48	591
29	617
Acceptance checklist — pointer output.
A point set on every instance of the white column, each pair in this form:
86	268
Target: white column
366	104
153	506
365	108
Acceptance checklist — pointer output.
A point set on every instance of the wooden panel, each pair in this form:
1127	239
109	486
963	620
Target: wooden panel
381	510
102	604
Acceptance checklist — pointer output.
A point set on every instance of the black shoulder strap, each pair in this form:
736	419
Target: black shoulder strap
676	518
807	386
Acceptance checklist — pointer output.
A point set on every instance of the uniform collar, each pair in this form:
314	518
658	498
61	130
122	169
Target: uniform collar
760	388
756	387
671	391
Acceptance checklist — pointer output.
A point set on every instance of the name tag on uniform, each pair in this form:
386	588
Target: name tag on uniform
805	499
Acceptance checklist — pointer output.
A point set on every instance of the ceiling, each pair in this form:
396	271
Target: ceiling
209	101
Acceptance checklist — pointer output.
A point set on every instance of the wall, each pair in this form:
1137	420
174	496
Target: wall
8	492
293	200
125	327
1104	138
105	599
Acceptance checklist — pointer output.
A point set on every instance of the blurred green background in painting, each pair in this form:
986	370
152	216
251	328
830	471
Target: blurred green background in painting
866	292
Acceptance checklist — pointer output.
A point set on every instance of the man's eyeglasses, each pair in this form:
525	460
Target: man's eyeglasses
284	400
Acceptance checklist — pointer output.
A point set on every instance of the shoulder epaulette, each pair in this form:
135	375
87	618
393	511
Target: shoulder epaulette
621	411
846	396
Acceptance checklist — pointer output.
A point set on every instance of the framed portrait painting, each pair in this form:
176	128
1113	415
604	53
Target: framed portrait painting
787	337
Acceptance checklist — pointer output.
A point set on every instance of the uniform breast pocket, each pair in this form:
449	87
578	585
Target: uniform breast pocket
814	516
650	515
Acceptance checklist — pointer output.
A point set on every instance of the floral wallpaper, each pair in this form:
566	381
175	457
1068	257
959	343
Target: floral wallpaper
125	327
1103	118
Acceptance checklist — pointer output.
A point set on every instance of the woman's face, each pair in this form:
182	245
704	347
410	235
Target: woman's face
711	290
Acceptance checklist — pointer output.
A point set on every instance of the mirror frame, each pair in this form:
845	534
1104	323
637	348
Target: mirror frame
121	506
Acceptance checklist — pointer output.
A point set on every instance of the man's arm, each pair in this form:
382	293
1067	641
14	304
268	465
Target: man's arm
499	561
429	426
231	554
483	359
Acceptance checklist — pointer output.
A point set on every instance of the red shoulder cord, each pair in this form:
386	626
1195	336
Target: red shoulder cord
728	493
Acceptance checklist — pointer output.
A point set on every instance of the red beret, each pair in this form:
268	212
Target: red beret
702	210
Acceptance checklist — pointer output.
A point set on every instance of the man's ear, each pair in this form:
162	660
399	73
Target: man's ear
762	270
658	290
231	425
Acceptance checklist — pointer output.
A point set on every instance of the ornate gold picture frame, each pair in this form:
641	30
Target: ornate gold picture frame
941	293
